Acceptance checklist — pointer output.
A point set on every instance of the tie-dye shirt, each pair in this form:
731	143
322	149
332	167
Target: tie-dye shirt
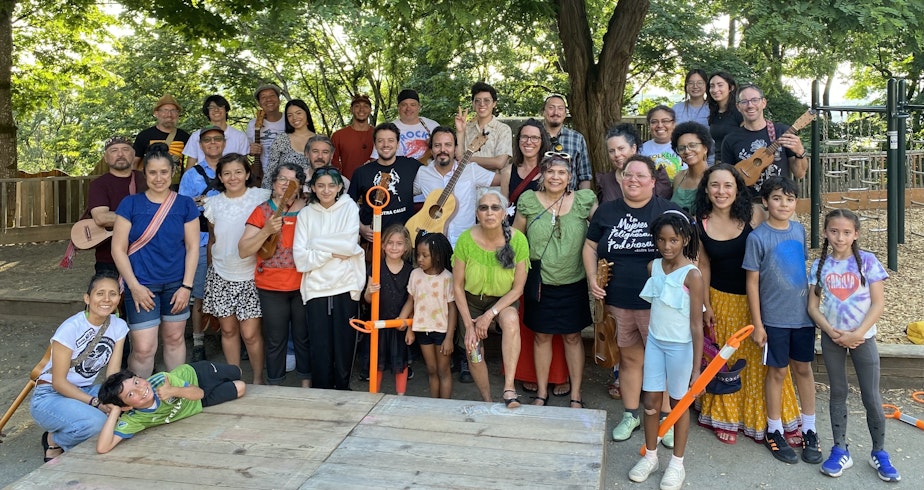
845	300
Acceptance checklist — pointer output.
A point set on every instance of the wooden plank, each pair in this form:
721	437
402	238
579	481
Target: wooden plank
51	233
48	478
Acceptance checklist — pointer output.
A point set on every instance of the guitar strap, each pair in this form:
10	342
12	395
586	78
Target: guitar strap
771	131
525	182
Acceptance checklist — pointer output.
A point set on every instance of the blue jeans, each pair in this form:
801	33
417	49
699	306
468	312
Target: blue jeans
70	421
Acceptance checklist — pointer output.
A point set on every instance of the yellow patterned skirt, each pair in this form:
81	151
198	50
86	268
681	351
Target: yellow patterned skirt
745	410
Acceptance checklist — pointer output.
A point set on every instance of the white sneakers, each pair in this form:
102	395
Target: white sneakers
671	480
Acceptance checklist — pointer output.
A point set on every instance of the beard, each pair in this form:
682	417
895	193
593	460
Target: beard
120	164
443	159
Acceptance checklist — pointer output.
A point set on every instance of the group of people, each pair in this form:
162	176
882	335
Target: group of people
699	254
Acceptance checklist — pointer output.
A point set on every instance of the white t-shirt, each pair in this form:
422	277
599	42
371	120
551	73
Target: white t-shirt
76	333
414	138
267	135
235	142
465	191
230	217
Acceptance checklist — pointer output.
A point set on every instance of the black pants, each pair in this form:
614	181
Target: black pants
332	340
280	310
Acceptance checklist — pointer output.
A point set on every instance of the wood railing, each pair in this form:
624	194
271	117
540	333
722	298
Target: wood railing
42	209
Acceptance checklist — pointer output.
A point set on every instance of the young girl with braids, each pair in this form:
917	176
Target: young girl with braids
847	299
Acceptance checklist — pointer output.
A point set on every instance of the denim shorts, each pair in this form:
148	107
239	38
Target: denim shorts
667	361
163	293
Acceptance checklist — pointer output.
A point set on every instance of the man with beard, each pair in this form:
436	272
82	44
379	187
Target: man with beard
754	133
267	96
565	140
401	174
320	153
353	144
436	177
167	112
108	190
498	149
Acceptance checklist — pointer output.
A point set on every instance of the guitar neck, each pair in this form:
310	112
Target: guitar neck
455	177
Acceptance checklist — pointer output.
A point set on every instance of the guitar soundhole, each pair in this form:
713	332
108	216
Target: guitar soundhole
758	162
436	212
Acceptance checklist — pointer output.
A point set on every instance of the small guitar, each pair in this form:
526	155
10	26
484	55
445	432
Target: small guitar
752	167
256	171
441	204
268	249
606	351
87	234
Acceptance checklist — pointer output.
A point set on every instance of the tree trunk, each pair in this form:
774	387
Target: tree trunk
8	162
732	31
598	87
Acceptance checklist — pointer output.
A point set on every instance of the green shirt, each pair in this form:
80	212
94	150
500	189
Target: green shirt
561	261
483	273
166	411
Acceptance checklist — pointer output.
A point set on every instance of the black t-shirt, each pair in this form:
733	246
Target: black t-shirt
622	237
152	135
722	124
741	143
400	207
107	190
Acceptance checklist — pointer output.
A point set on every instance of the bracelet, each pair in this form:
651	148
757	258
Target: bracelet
801	156
186	287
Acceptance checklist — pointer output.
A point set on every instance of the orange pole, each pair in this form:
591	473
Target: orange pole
376	274
700	384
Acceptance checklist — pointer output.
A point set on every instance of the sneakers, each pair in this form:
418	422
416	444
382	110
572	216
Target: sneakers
668	439
811	450
837	462
673	478
465	376
623	431
779	449
643	468
198	353
880	461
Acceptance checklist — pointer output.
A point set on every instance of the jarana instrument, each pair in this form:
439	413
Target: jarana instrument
606	351
269	246
752	167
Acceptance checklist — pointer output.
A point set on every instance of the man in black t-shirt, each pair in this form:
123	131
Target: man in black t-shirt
167	112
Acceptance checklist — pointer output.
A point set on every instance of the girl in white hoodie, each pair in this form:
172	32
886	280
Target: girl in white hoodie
327	251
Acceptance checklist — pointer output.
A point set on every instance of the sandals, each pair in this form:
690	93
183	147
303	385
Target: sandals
48	447
794	438
556	392
530	387
578	402
543	399
512	402
614	391
726	436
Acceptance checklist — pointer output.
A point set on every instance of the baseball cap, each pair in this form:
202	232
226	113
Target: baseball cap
408	94
360	98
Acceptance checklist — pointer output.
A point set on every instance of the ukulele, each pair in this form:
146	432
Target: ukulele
752	167
256	172
440	203
258	126
87	234
268	249
606	351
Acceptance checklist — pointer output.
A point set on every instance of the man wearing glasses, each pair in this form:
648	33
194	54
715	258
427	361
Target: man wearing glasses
756	133
167	112
217	108
498	149
566	140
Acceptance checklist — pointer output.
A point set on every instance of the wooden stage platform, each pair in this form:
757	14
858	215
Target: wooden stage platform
280	437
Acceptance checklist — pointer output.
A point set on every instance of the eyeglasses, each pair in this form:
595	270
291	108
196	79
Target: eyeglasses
663	122
484	101
751	101
558	154
484	208
282	180
691	146
215	108
212	139
526	137
698	83
639	177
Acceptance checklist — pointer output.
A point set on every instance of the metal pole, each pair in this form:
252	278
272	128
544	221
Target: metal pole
902	161
815	168
892	173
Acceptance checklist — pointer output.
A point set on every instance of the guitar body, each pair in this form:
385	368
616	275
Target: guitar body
606	350
268	249
752	167
87	234
432	217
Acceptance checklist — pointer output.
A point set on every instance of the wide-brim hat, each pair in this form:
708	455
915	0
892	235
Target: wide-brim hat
727	382
167	99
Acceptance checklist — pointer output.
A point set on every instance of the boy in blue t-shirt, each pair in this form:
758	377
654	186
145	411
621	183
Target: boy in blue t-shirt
777	288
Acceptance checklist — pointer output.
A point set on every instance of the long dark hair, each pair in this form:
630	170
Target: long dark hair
732	91
227	160
854	247
741	209
440	250
303	106
543	148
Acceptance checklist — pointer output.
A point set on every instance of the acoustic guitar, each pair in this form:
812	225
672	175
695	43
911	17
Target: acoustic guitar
33	379
752	167
87	234
440	203
268	249
606	351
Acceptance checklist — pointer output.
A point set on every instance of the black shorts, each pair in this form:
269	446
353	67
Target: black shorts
217	381
430	338
784	344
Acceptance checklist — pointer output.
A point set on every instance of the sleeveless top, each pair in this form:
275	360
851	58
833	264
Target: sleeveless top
670	303
725	258
394	293
515	180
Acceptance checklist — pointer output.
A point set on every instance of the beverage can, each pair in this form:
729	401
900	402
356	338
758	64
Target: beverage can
475	355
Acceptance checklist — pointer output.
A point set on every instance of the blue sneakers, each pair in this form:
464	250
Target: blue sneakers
838	462
880	461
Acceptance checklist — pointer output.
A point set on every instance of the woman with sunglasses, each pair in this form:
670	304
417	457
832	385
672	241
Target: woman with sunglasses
276	278
691	141
554	219
661	125
488	273
327	252
619	232
622	142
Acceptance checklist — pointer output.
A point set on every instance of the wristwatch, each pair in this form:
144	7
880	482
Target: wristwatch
494	310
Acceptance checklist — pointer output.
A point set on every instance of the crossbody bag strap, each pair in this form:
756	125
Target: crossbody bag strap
523	183
154	225
92	345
